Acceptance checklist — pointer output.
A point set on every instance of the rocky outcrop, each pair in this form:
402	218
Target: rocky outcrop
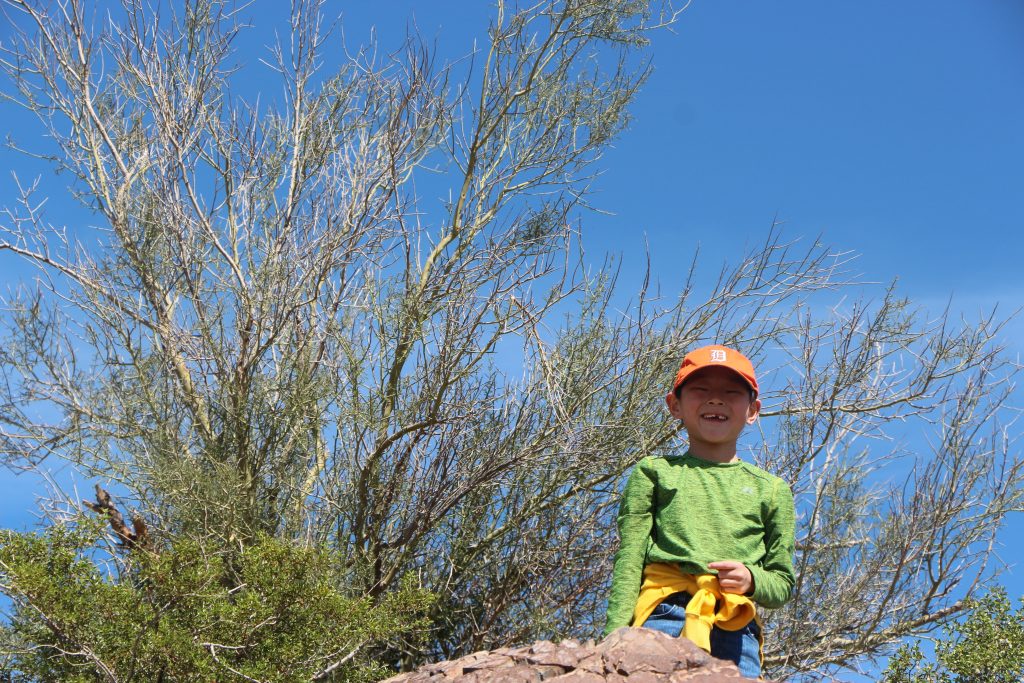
638	655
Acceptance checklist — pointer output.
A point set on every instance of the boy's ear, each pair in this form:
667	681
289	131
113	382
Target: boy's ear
753	411
674	408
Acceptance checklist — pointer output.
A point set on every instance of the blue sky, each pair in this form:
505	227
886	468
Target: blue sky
894	130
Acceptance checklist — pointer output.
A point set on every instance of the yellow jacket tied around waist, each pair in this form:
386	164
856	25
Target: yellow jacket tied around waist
708	607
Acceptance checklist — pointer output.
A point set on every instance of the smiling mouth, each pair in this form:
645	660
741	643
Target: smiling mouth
716	417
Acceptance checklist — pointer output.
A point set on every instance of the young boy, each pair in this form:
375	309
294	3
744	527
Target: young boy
703	535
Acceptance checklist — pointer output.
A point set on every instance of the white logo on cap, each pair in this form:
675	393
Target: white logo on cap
718	355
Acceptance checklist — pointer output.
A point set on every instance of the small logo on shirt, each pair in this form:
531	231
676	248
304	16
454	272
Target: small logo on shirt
747	490
718	355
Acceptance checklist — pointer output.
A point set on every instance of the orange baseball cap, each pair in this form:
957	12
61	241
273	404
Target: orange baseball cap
716	354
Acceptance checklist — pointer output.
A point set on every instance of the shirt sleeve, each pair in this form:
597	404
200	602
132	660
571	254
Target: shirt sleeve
774	578
635	522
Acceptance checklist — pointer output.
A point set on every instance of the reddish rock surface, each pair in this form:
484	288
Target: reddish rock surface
637	655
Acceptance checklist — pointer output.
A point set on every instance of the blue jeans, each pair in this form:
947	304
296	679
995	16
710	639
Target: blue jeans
740	647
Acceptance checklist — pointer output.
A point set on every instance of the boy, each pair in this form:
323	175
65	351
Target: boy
703	535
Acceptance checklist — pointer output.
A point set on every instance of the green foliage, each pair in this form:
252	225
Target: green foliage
269	612
905	666
986	647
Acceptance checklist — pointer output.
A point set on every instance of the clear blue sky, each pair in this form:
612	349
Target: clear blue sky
892	129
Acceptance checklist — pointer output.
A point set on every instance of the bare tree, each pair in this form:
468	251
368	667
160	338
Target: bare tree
892	540
272	331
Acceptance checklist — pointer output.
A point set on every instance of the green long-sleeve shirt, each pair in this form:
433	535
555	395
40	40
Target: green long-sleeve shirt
688	511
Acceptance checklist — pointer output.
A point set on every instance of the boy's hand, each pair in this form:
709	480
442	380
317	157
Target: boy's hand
733	577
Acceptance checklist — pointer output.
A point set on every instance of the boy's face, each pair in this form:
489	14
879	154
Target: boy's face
715	405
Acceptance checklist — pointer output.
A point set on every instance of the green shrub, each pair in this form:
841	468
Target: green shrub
270	612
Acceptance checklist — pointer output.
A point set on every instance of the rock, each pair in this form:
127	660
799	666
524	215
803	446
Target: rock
633	655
